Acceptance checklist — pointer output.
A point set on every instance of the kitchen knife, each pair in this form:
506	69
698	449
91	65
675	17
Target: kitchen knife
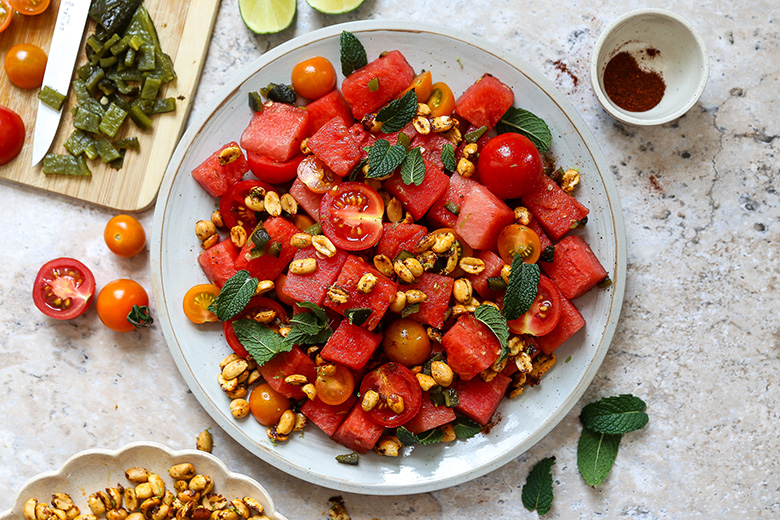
65	43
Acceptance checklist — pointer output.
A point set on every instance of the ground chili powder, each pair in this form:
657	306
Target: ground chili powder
629	86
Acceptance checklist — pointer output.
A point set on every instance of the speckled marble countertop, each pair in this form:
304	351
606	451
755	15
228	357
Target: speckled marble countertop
698	338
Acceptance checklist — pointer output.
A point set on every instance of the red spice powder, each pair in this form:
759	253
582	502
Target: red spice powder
629	86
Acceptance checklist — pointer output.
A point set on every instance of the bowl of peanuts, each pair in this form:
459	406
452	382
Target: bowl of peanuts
146	481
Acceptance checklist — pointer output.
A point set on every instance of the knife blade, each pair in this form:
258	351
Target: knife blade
65	43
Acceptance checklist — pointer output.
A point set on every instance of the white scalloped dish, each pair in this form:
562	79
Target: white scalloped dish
94	470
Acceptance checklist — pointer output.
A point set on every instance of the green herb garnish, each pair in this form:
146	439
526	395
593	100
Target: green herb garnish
259	340
234	296
496	322
397	113
465	428
408	438
596	454
413	167
448	157
524	122
522	289
309	328
353	54
537	490
383	159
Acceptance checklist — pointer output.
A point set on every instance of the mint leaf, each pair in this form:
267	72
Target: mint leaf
315	309
465	428
260	341
492	317
413	167
396	114
383	159
615	415
309	328
234	295
408	438
596	453
522	289
524	122
448	157
537	490
353	54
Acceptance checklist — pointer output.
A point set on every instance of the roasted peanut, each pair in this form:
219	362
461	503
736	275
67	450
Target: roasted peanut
289	204
338	294
472	264
415	296
323	245
396	403
204	229
303	266
399	303
367	283
273	204
462	290
384	265
300	240
238	236
370	400
239	408
388	446
441	373
403	272
183	471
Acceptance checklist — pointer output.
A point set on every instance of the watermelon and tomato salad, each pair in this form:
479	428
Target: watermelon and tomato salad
406	358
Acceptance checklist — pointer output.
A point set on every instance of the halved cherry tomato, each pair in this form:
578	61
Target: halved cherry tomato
63	288
197	300
517	239
25	64
6	14
11	135
544	313
256	304
422	85
122	305
233	208
335	388
267	405
441	101
392	381
351	216
124	236
314	77
316	176
29	7
510	165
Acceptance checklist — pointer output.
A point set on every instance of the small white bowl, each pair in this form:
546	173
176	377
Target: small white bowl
682	62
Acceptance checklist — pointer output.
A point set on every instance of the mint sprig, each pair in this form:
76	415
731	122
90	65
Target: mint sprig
408	438
497	324
413	167
538	491
353	54
596	454
383	159
309	328
448	157
525	123
615	415
234	295
522	289
465	428
259	340
397	113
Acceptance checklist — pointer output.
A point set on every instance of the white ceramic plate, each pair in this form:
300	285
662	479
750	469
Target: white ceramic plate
459	59
90	471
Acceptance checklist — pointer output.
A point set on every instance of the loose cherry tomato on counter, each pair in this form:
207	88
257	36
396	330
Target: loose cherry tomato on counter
267	405
351	216
510	165
63	288
233	208
11	135
124	236
422	85
256	305
544	313
6	15
122	306
393	381
441	101
197	300
406	342
315	175
518	239
25	64
334	385
314	77
29	7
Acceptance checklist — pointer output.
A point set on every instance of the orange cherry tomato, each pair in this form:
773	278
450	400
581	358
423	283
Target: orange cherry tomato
29	7
6	14
314	77
25	64
279	289
124	236
516	239
197	300
267	405
316	175
337	387
422	85
406	342
441	101
122	305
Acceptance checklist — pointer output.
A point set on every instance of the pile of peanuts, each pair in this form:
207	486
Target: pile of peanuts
192	498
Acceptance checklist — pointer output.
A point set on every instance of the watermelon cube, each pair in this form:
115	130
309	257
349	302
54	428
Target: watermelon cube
334	145
557	211
479	400
544	240
392	138
569	323
276	131
358	432
393	75
326	416
312	287
457	190
306	198
493	265
351	346
482	217
431	145
286	364
574	269
430	416
471	347
219	262
271	171
485	102
268	266
418	199
378	300
217	178
326	108
437	289
362	138
399	237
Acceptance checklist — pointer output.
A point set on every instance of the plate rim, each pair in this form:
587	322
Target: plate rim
592	148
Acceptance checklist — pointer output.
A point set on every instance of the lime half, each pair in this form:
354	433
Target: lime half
334	6
267	16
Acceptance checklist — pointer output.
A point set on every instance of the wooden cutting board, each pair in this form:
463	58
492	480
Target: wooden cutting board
184	28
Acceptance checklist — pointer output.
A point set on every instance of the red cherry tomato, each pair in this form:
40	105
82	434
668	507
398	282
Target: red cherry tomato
197	300
6	15
522	240
270	171
256	304
11	135
351	216
441	101
25	64
124	236
233	208
267	405
510	165
335	388
315	175
63	288
392	380
117	302
30	7
314	77
544	313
